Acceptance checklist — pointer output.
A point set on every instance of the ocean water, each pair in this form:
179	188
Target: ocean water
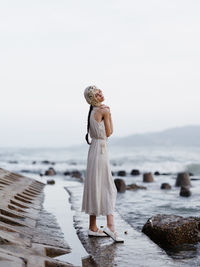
134	206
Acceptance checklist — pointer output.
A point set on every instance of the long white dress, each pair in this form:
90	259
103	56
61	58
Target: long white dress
99	193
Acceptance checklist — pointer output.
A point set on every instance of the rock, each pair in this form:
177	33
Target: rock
183	179
191	174
120	185
135	187
165	186
121	173
34	162
26	171
112	173
73	163
13	161
46	162
156	173
147	177
166	173
76	174
50	172
41	174
135	172
50	181
185	191
171	230
67	173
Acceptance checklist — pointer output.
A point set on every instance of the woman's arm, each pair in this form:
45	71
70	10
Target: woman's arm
108	121
111	124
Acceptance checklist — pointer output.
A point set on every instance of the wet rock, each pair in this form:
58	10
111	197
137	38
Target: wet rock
67	173
77	174
185	191
120	185
183	179
135	187
26	171
156	173
191	174
51	181
147	177
166	173
135	172
50	172
34	162
121	173
72	163
165	186
112	173
46	162
41	174
171	230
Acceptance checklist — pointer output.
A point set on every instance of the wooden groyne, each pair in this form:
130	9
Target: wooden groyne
29	236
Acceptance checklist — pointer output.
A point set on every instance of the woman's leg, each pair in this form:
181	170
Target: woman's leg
110	222
93	225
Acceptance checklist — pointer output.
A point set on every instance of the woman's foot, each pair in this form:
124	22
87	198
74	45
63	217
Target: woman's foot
98	232
113	235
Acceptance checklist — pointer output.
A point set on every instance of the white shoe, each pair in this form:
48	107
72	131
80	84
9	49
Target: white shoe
97	233
113	235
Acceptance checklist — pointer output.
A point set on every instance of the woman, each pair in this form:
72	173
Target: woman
99	194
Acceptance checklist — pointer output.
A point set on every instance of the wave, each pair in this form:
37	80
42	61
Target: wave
193	168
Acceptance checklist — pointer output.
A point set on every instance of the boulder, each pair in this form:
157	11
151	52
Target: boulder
120	185
156	173
170	231
46	162
50	181
183	179
165	186
147	177
135	187
185	191
50	172
121	173
135	172
67	173
76	174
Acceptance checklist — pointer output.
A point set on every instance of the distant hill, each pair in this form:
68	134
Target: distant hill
179	136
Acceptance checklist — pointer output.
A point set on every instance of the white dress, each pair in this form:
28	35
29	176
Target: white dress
99	193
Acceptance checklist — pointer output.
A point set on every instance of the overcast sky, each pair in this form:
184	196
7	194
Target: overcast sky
144	55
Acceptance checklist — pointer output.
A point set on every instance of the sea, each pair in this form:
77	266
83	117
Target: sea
137	206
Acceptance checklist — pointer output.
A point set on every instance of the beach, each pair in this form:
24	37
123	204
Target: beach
60	205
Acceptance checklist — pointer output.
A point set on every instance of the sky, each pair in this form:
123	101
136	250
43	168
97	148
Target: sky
144	55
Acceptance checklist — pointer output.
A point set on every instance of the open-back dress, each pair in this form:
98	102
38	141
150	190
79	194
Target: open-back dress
99	193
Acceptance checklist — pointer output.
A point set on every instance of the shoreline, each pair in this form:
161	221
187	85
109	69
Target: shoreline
53	230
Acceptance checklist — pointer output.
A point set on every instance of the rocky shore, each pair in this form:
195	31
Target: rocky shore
29	236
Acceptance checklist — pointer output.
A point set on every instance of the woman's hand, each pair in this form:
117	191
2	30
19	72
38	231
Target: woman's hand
104	107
